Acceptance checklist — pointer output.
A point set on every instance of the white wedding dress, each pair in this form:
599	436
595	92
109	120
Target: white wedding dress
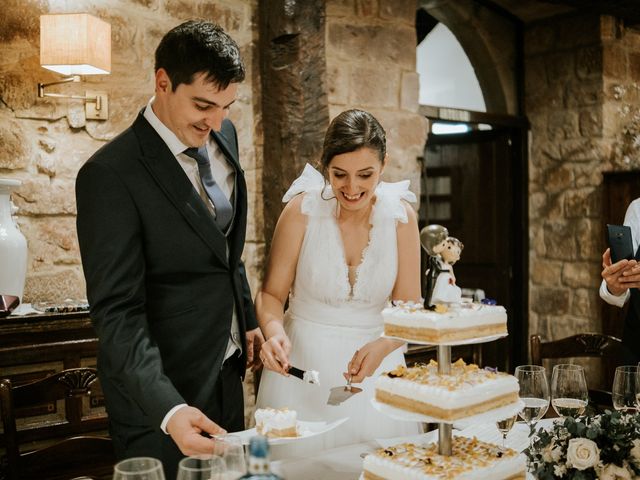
328	319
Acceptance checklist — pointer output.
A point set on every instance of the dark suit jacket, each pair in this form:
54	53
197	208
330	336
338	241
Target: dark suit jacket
159	283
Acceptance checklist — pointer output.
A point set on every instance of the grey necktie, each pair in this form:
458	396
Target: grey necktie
224	210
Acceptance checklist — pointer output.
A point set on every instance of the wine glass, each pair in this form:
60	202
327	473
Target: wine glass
569	395
534	392
138	468
202	467
624	393
504	427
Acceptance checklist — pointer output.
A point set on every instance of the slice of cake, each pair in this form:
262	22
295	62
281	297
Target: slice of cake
471	459
412	322
276	423
467	390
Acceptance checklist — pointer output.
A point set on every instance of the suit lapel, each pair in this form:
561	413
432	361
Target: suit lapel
239	227
163	167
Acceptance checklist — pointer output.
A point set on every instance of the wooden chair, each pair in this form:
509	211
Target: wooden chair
76	454
606	347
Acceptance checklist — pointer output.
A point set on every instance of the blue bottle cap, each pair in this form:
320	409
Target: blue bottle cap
259	447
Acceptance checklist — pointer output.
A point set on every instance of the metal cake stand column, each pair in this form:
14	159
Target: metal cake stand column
444	429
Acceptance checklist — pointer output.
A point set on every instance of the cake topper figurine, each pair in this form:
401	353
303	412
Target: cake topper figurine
443	252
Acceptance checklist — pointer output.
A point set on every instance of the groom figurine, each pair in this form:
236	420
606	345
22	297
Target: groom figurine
162	212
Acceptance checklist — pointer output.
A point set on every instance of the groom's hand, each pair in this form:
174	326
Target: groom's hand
254	345
185	427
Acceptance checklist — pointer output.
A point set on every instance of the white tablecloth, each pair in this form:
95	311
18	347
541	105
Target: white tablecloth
345	463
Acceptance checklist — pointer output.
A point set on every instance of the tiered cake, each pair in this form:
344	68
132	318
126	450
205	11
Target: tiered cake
445	392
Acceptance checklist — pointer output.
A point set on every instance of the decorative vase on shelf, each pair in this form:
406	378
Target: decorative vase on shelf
13	251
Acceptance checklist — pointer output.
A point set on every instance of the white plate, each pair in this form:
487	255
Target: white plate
485	417
453	343
305	430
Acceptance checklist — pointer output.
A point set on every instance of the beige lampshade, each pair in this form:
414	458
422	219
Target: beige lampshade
75	44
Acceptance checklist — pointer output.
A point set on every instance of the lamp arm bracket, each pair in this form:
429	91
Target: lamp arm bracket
42	86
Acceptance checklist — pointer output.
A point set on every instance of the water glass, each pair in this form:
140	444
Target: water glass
230	448
504	427
626	388
534	392
569	395
139	468
202	467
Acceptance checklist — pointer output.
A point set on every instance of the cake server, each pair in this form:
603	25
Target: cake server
337	395
309	376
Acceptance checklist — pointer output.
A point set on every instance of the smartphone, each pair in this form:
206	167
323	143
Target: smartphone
620	242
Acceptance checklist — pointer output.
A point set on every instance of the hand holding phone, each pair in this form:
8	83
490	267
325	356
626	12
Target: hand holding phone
620	242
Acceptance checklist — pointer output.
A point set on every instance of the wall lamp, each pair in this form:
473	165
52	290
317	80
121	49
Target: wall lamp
75	44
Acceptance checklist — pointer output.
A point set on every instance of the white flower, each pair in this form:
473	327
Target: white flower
582	453
559	470
614	472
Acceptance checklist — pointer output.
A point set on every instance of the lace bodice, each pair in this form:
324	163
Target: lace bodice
322	274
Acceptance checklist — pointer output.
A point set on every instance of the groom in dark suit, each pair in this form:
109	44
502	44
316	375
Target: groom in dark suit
162	212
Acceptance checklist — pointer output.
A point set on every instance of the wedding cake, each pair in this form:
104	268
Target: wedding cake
471	459
445	324
467	390
276	423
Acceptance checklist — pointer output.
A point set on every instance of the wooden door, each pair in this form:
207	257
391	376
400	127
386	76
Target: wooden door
472	184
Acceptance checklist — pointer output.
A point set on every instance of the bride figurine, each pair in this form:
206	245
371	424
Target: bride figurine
344	245
445	289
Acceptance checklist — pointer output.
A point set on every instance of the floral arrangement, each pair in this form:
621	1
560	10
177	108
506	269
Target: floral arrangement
605	446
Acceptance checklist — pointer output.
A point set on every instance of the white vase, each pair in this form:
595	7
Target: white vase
13	246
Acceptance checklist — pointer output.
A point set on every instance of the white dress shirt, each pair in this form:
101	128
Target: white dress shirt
224	175
631	219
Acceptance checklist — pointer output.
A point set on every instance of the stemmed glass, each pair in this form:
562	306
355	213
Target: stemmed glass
138	468
504	427
201	467
626	388
569	395
534	392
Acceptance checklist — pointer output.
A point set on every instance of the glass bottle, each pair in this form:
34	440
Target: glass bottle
259	468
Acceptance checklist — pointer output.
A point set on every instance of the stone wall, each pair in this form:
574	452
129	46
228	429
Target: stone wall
371	64
579	74
43	142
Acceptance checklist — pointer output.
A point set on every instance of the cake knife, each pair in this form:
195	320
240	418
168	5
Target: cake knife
309	376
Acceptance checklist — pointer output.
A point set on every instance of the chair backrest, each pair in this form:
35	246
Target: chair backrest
74	455
606	347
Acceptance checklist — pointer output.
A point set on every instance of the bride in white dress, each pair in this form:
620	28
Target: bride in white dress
340	250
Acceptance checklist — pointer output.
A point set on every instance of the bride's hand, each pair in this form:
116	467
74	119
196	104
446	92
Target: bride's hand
275	353
366	361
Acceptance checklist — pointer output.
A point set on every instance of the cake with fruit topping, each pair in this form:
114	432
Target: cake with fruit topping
451	323
276	423
467	390
471	459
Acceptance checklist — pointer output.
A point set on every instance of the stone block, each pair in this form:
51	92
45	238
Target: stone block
583	203
586	302
51	241
634	65
580	274
366	89
589	62
255	262
229	16
386	46
399	11
539	38
42	196
338	76
546	272
569	325
560	240
535	78
559	66
14	145
591	122
562	124
614	62
558	179
410	91
577	31
55	285
583	93
589	239
580	150
550	301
